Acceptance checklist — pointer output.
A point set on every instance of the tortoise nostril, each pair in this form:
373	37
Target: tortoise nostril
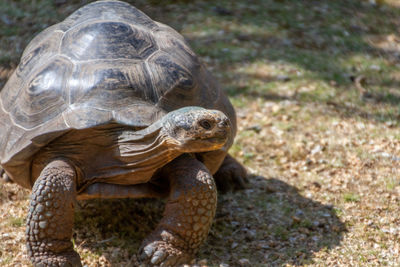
224	123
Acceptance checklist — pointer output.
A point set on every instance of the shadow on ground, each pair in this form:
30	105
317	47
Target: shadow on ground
269	223
115	229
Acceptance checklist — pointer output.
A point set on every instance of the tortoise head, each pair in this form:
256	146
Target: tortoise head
195	129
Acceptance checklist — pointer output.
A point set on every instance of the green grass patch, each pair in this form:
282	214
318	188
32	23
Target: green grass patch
351	197
16	221
391	183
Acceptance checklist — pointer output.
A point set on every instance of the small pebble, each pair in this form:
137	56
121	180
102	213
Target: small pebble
244	262
284	78
202	262
296	219
6	236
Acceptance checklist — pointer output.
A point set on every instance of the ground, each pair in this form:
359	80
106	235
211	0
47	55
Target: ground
315	84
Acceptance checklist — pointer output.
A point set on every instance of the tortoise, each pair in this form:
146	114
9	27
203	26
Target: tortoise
111	104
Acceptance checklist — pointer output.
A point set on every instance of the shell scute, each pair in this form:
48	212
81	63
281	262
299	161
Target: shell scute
110	85
107	10
107	40
40	52
10	92
5	135
168	40
45	36
171	78
32	59
82	117
45	94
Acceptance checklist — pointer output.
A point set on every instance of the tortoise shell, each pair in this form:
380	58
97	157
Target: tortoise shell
106	63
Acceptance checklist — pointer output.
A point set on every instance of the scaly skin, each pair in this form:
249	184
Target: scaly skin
188	214
51	217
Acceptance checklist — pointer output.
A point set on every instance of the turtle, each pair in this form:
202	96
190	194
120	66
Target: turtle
109	103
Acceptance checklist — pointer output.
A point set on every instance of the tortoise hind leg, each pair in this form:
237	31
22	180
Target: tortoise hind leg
188	214
51	216
4	176
231	175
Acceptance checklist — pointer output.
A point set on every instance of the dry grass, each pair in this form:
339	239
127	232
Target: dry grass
323	150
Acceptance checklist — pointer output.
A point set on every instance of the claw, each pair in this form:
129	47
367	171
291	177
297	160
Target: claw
158	257
147	252
163	254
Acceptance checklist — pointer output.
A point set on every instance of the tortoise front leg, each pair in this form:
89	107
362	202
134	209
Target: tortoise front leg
188	214
51	217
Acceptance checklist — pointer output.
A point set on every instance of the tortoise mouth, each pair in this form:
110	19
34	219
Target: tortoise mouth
217	137
211	139
203	143
215	140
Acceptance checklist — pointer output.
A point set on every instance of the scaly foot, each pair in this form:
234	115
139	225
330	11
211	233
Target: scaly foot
161	252
64	259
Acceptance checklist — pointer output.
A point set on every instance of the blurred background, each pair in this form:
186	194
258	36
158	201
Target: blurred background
315	84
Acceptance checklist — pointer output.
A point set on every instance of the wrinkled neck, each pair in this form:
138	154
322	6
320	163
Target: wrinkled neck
150	147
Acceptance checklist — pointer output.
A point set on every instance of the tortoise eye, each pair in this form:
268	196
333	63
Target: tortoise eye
206	124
